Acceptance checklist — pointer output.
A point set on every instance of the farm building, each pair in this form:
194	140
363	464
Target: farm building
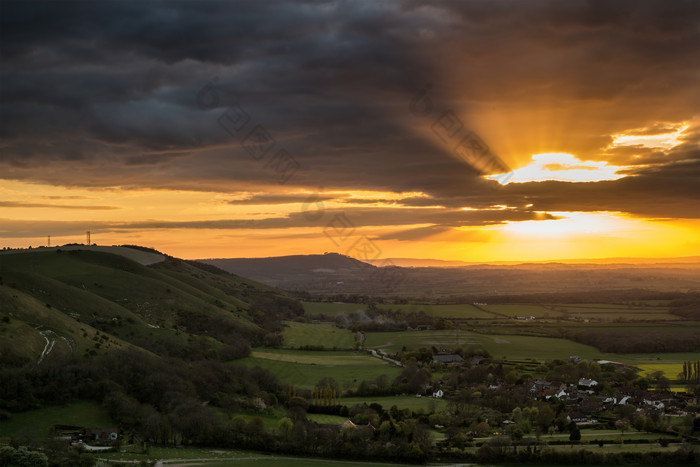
587	383
102	434
448	359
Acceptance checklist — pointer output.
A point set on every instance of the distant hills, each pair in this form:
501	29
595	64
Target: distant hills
333	273
89	300
285	271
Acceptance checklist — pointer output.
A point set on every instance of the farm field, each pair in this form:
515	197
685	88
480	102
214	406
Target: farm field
402	402
228	458
270	420
461	311
588	434
510	346
305	368
331	309
670	370
616	312
323	334
608	448
527	310
38	422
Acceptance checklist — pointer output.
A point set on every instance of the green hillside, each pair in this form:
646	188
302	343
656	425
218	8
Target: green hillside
87	302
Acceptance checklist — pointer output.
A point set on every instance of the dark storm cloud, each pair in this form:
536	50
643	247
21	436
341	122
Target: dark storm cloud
105	94
376	217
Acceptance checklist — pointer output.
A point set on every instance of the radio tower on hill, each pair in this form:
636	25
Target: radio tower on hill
49	241
88	237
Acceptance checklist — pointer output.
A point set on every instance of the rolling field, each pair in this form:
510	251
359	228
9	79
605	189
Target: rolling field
461	311
228	458
402	402
510	346
394	341
609	312
670	370
305	369
39	422
515	310
323	334
331	309
594	311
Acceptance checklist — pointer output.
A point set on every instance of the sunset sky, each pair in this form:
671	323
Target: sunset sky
473	131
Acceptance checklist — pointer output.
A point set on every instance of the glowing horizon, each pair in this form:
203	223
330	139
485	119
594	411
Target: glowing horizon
176	222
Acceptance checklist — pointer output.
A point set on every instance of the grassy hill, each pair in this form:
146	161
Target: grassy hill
90	301
291	272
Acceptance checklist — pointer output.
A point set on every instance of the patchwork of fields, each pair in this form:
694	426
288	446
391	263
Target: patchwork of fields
497	329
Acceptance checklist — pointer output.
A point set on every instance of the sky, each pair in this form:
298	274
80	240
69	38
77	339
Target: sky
471	130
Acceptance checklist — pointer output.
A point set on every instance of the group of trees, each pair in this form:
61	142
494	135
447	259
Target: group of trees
326	392
624	341
21	457
691	372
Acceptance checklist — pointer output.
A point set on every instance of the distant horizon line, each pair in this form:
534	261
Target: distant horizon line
445	262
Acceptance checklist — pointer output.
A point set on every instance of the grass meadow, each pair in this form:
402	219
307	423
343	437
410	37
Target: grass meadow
305	368
38	422
228	458
512	347
461	311
322	334
428	404
331	309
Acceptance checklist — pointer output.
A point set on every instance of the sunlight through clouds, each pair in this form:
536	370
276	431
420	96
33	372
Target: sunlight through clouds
557	166
572	223
652	137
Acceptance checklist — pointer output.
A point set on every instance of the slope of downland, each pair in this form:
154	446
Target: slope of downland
93	301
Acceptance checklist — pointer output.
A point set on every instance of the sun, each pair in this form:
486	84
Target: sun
562	167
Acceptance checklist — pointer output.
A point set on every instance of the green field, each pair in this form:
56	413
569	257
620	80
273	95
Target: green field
331	309
229	458
305	368
510	346
321	334
670	370
270	420
518	347
461	311
412	402
609	312
38	422
526	310
326	419
589	435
